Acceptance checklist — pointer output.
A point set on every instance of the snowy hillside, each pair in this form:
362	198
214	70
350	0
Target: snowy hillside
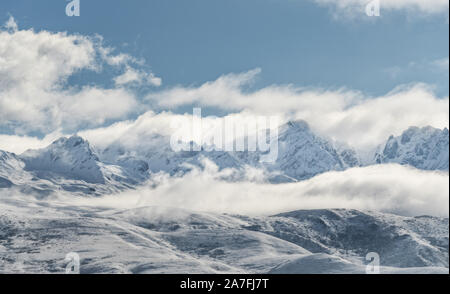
35	239
424	148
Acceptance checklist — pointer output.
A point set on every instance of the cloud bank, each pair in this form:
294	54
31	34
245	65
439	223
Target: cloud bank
35	96
386	188
343	115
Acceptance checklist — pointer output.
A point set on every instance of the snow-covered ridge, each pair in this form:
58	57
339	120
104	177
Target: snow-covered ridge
424	148
301	154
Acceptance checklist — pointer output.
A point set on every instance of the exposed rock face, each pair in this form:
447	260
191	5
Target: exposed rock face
424	148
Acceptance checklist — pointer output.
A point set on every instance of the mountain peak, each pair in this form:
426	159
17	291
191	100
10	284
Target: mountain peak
298	125
72	157
424	148
72	142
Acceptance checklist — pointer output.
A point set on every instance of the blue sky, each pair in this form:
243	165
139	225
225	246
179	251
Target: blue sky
299	42
353	78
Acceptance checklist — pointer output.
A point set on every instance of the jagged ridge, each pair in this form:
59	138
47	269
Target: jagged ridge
424	148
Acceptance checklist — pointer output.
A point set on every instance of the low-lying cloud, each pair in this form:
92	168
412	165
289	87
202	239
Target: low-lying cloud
386	188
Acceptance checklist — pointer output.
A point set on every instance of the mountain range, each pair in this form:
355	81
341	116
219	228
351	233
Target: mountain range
37	233
424	148
73	165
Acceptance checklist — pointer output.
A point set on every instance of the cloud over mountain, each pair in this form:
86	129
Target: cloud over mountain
386	188
344	115
34	69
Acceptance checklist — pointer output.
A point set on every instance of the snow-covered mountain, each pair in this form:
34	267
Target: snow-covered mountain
69	164
35	234
72	164
10	166
424	148
71	157
301	155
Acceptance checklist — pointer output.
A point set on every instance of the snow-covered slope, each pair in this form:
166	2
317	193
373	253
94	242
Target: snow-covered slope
69	164
400	241
11	169
302	154
424	148
71	157
35	239
321	263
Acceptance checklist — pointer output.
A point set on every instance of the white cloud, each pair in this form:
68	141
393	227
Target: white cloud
34	68
132	134
137	77
106	53
96	105
42	59
19	144
354	8
218	93
370	121
153	130
343	115
386	188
